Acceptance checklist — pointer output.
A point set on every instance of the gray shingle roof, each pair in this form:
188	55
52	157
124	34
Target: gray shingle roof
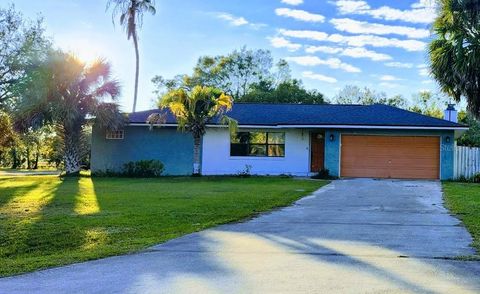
318	114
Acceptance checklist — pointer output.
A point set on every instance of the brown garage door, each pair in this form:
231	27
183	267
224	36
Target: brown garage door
390	157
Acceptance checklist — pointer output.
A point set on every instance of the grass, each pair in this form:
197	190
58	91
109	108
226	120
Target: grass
463	199
48	221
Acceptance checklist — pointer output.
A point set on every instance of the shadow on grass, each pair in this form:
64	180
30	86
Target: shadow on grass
56	233
7	194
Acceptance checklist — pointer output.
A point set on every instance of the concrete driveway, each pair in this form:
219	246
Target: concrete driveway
351	236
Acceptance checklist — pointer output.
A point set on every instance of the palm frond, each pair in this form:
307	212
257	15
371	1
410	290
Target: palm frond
194	109
109	88
108	116
158	118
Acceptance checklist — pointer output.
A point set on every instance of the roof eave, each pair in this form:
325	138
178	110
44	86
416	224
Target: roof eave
321	126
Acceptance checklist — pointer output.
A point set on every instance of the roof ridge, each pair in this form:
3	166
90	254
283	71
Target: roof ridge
300	104
421	114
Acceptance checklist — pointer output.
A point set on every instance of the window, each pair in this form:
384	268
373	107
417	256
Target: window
262	144
114	135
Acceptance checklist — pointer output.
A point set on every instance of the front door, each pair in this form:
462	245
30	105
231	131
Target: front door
318	149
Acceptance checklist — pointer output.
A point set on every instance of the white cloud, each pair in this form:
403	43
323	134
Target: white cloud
354	52
323	49
238	20
300	15
422	65
281	42
422	11
427	81
389	78
334	63
233	20
359	52
424	4
292	2
424	72
389	85
319	77
363	27
351	6
313	35
399	64
356	41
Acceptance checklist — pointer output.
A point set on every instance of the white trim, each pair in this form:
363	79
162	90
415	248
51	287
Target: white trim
317	127
154	125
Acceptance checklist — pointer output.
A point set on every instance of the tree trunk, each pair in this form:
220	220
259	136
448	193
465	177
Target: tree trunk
71	155
29	164
15	159
137	68
37	157
196	155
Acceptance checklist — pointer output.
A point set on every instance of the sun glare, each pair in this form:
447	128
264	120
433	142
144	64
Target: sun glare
84	50
87	55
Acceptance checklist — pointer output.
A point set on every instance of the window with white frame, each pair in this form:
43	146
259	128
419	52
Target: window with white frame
115	135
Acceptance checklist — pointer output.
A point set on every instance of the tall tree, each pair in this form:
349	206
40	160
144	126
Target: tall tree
288	91
356	95
7	133
425	102
193	110
131	18
471	137
67	93
22	46
234	73
455	51
246	75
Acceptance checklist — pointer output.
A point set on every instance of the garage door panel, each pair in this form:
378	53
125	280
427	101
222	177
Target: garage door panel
390	156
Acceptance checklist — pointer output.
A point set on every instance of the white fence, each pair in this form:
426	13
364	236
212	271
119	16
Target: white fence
466	161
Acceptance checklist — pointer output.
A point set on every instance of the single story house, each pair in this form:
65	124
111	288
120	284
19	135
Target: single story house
377	141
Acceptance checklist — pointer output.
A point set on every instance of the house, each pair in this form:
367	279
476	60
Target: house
377	141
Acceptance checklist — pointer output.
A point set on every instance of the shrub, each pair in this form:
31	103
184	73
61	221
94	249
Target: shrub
246	172
473	179
324	174
143	168
106	173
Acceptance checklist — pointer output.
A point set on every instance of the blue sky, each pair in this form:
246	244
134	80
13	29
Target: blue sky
329	44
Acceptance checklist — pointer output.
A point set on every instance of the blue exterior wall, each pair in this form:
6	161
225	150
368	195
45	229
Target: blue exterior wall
332	148
174	149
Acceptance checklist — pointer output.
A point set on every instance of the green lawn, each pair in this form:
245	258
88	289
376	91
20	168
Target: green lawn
48	221
463	199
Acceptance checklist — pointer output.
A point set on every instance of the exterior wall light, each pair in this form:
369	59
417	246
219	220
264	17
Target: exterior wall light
332	137
447	139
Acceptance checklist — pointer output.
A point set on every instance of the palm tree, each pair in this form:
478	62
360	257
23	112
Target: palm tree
131	18
67	93
455	51
193	110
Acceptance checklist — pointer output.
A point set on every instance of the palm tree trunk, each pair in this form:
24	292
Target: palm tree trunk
196	154
71	154
137	69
